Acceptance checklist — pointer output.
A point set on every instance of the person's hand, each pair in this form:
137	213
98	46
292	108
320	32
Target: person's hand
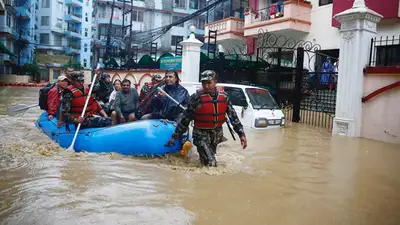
171	142
161	94
50	117
59	124
80	119
243	141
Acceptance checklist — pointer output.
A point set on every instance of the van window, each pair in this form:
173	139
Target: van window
261	99
236	95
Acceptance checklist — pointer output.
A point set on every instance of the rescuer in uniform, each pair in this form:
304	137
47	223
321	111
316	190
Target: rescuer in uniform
209	107
73	102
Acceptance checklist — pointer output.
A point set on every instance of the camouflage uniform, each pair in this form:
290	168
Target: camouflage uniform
147	93
89	121
206	140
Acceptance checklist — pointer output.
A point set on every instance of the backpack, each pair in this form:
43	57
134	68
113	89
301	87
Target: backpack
43	93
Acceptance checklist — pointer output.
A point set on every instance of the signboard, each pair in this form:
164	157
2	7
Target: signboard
171	63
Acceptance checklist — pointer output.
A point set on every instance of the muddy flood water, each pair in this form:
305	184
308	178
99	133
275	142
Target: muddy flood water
298	175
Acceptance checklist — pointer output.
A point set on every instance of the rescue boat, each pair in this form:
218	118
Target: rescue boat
140	138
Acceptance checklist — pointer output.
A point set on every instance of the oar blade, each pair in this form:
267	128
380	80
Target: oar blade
17	109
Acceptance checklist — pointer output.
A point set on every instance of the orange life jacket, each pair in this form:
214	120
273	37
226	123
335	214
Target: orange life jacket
78	102
211	113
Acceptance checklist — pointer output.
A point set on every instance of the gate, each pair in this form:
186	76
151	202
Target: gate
300	78
304	79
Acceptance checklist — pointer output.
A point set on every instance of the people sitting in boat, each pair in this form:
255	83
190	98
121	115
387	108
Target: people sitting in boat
126	103
147	93
105	88
73	102
68	72
111	100
54	97
163	106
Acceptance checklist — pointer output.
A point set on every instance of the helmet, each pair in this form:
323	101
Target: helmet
208	75
78	76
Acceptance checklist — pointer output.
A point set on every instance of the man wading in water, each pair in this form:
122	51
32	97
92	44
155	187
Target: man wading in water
208	108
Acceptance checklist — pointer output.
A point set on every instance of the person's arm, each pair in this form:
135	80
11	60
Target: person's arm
66	107
135	98
118	103
237	125
188	115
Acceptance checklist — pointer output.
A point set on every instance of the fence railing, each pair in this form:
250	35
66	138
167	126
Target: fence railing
385	51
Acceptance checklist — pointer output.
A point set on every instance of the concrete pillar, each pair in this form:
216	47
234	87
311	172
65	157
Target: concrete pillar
191	58
358	26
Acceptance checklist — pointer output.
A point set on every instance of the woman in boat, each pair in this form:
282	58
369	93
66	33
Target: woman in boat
111	102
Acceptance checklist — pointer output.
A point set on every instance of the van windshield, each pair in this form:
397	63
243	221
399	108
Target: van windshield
261	99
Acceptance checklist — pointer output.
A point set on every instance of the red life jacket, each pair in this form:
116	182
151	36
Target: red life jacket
211	113
78	102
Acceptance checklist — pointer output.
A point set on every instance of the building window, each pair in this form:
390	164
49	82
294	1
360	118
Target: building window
388	55
8	20
325	2
180	4
176	19
137	16
197	4
59	23
45	3
199	23
57	40
45	20
44	39
175	39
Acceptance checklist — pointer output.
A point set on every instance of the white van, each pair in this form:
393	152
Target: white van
255	106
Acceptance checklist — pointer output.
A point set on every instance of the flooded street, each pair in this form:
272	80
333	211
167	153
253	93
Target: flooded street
298	175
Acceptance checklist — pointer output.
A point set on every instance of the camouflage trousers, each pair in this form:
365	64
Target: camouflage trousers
206	141
96	121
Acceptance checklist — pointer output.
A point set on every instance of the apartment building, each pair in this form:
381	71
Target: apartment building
238	22
64	32
145	16
17	26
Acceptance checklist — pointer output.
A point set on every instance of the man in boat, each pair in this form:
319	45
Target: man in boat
147	94
54	97
165	108
126	103
73	102
68	72
209	107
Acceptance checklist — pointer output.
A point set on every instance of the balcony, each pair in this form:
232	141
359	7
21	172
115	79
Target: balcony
73	18
9	6
73	33
23	12
228	30
289	16
72	50
77	3
9	32
107	21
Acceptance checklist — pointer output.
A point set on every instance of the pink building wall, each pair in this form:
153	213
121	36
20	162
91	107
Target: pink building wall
381	113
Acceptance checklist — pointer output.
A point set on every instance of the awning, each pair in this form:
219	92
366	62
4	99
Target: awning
4	50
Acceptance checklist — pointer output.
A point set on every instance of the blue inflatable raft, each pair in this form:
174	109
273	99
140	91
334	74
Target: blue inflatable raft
140	138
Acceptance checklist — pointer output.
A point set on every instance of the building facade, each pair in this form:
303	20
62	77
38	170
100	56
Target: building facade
17	27
64	32
311	21
145	16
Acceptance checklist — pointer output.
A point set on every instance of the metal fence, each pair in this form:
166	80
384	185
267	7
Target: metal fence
385	51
